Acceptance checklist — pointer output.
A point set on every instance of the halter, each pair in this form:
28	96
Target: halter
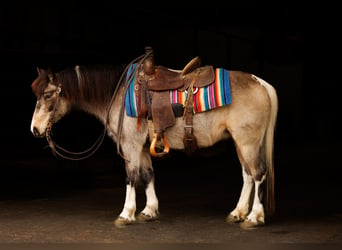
58	150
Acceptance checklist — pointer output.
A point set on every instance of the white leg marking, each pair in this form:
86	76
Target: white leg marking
151	209
242	206
257	214
129	209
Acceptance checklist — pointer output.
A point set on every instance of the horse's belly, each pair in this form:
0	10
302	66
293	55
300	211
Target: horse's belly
207	140
207	131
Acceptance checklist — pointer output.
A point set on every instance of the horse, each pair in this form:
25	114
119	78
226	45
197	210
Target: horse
100	90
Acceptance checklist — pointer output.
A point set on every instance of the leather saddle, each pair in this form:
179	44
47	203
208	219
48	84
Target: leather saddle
152	86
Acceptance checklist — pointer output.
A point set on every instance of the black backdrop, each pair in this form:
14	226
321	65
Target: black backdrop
295	48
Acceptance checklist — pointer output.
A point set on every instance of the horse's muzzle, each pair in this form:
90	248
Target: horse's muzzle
36	133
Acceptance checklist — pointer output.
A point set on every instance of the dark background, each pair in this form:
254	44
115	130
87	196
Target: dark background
295	48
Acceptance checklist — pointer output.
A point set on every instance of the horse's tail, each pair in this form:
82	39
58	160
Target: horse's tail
269	149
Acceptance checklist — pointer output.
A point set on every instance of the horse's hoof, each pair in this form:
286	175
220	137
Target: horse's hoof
233	219
247	224
146	218
121	222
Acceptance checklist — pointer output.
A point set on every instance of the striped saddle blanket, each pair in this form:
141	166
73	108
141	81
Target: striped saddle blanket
209	97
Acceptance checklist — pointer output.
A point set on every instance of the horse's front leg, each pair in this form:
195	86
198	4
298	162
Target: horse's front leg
139	169
127	215
150	212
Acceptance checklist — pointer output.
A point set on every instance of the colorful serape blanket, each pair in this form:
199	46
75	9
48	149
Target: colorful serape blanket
212	96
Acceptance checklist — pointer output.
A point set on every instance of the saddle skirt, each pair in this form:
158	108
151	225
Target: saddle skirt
215	95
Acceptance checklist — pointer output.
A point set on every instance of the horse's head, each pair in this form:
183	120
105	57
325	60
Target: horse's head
50	106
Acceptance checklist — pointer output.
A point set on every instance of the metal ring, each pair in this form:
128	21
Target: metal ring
194	92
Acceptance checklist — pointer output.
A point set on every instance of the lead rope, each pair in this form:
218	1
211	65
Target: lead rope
91	150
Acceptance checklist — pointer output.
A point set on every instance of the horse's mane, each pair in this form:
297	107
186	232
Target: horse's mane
94	84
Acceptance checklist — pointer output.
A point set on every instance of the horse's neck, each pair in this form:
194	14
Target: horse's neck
98	112
101	111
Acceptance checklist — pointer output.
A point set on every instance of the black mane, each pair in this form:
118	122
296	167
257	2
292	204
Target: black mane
94	84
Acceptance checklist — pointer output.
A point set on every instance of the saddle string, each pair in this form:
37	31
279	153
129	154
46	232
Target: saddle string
54	146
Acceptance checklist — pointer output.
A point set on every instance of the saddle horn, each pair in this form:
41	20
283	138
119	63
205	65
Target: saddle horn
148	65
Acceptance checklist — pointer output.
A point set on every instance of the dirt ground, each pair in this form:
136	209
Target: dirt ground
53	201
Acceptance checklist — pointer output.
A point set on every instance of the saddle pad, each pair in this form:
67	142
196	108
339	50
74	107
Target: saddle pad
209	97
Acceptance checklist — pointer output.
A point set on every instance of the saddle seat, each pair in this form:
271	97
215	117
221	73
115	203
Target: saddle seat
152	86
163	78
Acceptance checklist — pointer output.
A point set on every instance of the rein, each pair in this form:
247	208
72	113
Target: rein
54	146
60	151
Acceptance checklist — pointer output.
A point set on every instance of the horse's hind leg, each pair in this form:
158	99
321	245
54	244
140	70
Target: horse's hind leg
256	216
253	172
241	210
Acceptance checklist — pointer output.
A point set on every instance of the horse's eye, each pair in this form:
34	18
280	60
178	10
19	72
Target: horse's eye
47	95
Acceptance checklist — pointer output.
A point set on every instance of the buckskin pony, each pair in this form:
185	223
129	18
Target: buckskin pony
148	110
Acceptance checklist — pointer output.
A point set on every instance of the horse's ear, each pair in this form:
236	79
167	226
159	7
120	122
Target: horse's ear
38	70
51	75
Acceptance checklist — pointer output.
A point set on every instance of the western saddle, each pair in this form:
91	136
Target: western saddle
152	88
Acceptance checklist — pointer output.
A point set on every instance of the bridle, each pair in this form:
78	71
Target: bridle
81	155
62	152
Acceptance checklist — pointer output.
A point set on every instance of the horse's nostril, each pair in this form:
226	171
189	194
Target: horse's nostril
35	131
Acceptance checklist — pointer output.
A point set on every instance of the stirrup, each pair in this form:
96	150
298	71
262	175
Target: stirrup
153	146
